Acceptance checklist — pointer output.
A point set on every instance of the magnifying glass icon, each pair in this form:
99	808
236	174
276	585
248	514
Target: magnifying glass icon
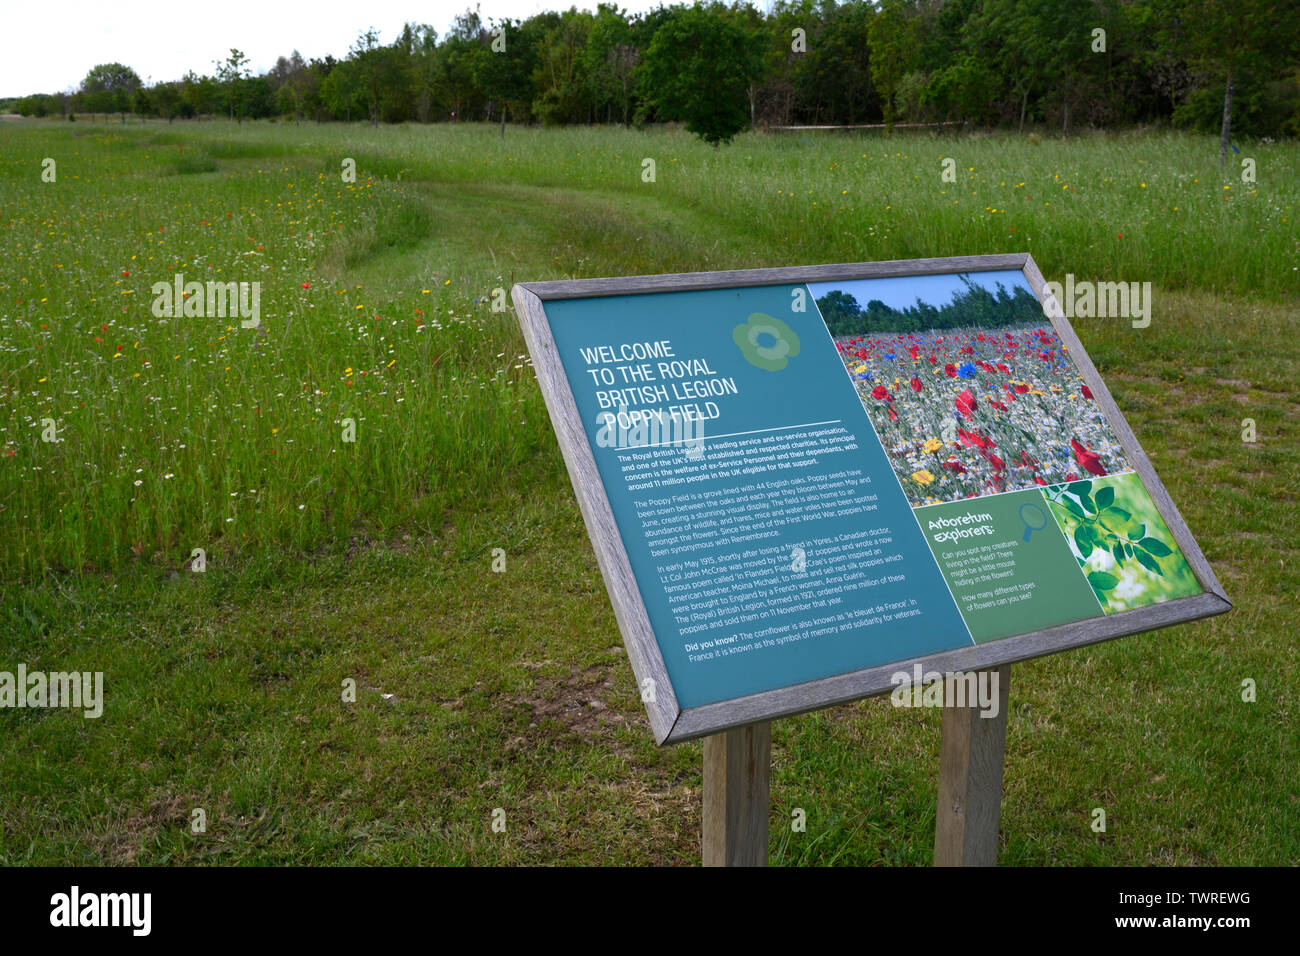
1031	528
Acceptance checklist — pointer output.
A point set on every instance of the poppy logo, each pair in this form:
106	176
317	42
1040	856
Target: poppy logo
766	342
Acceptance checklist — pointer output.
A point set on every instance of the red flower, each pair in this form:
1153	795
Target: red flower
998	405
1087	459
880	393
997	463
893	415
1021	388
306	285
1003	369
975	439
955	467
950	370
934	360
966	404
1087	392
1039	481
916	384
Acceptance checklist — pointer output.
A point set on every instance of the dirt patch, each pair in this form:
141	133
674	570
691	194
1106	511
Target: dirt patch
579	702
120	844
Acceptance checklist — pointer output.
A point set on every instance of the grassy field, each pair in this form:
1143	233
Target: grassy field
371	559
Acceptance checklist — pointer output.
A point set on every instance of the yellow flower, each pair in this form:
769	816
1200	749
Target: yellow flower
931	444
922	477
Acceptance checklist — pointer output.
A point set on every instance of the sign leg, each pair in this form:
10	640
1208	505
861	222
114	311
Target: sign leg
737	764
970	781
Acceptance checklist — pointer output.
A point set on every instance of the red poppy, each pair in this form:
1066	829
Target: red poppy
934	360
1021	388
916	384
1087	392
893	415
998	405
950	370
955	467
880	392
1003	369
966	404
1039	481
975	439
306	285
997	463
1087	459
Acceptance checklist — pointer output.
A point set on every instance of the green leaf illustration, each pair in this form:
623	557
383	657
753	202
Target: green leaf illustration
1103	581
1072	506
1083	540
1156	547
1121	514
1105	497
1079	488
1148	562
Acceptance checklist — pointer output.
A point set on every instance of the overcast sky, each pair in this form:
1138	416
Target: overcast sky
50	46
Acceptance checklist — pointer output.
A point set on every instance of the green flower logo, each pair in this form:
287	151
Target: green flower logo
766	342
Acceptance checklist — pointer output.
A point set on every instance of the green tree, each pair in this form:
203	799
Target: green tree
109	88
232	72
699	67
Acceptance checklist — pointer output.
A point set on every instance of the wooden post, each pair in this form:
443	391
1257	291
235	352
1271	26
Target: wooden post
736	768
971	750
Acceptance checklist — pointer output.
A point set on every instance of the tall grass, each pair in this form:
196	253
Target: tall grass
171	434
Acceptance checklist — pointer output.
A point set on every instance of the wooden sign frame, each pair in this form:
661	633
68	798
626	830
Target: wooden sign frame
671	723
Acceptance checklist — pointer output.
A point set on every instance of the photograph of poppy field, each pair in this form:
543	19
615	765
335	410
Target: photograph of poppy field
967	384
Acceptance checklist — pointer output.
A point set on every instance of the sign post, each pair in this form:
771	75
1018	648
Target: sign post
807	486
971	753
737	765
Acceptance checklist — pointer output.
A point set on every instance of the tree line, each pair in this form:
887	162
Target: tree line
1205	64
974	306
